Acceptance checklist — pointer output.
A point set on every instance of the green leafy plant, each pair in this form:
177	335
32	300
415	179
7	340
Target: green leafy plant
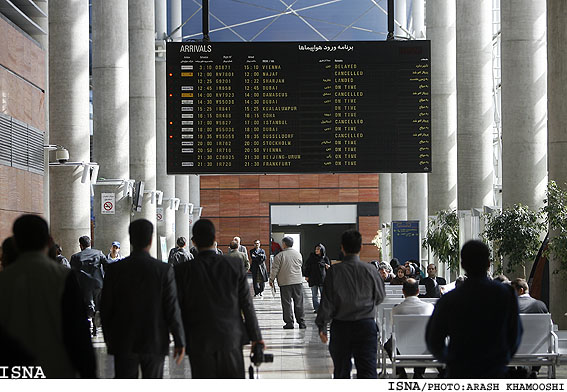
555	211
515	234
442	238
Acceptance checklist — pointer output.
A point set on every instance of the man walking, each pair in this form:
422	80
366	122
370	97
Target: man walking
351	292
214	296
179	254
41	307
286	268
258	268
139	309
480	318
234	252
89	264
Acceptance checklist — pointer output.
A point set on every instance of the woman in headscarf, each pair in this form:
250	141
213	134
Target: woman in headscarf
400	277
315	271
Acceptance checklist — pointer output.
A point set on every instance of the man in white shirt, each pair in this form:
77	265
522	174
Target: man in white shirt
409	306
286	268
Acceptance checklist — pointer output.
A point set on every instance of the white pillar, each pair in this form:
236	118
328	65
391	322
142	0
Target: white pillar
474	104
399	197
176	19
418	17
385	207
557	137
181	182
69	120
111	120
165	183
417	182
400	15
417	203
182	217
195	198
524	102
442	181
524	105
143	105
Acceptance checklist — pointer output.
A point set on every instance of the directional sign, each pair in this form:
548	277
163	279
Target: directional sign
107	203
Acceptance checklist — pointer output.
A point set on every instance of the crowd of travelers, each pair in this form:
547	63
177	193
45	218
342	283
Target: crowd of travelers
48	305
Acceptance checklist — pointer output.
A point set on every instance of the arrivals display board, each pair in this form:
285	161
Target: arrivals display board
298	107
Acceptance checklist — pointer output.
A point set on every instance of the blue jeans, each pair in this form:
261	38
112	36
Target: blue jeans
315	290
358	339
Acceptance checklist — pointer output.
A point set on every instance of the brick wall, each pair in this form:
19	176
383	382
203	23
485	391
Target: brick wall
240	205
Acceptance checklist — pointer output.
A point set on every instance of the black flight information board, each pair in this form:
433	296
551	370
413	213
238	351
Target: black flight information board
298	107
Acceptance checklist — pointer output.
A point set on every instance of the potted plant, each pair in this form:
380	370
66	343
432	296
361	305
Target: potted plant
442	238
515	235
555	211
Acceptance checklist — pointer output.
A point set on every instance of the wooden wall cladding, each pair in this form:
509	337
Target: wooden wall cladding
239	205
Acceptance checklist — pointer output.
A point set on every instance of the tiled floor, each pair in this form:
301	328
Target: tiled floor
298	353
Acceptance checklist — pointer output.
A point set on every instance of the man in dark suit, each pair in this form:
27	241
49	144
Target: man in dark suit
526	303
213	296
432	283
42	316
139	308
89	264
480	318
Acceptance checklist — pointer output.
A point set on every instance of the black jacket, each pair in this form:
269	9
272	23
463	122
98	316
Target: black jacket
139	306
178	256
89	263
258	258
214	295
432	289
314	268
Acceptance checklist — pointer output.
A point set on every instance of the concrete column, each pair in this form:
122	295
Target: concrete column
417	202
418	17
442	181
385	197
399	196
182	217
417	182
165	183
524	104
110	120
69	120
557	137
195	198
143	104
474	104
181	182
401	16
176	19
385	207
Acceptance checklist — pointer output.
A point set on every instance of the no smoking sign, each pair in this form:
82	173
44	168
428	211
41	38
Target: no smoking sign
108	202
